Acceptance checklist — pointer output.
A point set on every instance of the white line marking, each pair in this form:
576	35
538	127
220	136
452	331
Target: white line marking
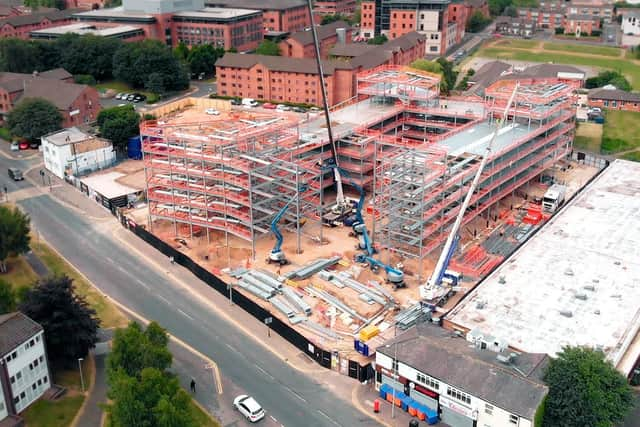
264	372
186	314
144	285
273	418
296	394
164	299
232	348
328	417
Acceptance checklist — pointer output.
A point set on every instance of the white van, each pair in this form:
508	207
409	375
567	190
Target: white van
249	102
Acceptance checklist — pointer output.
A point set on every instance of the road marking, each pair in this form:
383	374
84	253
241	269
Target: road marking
232	348
273	418
264	372
295	394
215	370
163	299
186	314
144	285
368	403
329	418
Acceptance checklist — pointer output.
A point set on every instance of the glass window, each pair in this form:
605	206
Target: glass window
488	409
514	419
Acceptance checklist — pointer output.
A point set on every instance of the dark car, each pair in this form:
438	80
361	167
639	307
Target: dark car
138	97
15	174
236	101
299	110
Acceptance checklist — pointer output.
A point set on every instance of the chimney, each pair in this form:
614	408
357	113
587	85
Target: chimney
342	35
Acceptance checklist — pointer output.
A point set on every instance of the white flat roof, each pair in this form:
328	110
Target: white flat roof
591	250
105	184
87	28
67	136
217	12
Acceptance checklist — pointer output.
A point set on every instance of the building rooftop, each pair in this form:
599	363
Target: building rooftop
517	387
115	12
85	28
323	32
350	50
56	73
486	75
258	4
274	63
107	184
59	93
38	16
475	139
218	13
614	95
576	281
15	328
67	136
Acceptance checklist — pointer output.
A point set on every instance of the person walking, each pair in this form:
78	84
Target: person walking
193	385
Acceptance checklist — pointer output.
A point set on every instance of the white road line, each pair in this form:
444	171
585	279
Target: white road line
144	285
186	314
328	417
296	394
232	348
273	418
164	299
264	372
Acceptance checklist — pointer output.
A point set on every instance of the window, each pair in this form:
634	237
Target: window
13	379
23	395
394	365
428	381
19	376
458	395
514	419
33	386
45	379
488	409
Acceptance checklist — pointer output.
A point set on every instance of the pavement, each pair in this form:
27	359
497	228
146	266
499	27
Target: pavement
142	282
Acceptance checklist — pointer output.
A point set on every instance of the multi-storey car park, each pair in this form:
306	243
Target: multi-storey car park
220	181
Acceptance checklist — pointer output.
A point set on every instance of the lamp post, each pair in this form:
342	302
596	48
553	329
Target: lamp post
394	365
80	359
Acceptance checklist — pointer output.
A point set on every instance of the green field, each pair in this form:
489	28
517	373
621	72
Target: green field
45	413
588	137
621	132
518	44
587	49
628	68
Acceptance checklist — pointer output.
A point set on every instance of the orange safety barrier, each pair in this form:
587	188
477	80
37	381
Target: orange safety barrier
413	411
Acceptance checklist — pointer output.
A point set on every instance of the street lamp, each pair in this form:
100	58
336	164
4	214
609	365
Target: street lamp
80	359
394	365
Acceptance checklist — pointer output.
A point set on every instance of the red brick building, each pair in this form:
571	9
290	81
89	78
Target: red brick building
278	15
332	7
300	44
581	24
286	79
78	104
222	27
442	22
614	99
462	10
549	17
20	26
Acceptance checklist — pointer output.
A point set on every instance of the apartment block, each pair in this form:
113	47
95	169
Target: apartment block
24	374
20	26
614	99
300	44
582	25
278	15
546	18
333	7
600	9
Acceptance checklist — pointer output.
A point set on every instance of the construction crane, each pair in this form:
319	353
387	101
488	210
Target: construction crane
277	255
433	288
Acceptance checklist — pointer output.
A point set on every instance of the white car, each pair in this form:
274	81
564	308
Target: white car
120	95
212	112
248	407
15	146
282	107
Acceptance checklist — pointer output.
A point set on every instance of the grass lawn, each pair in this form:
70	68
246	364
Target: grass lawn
109	315
633	156
628	68
5	134
621	131
588	137
20	273
115	85
517	43
588	49
70	379
202	418
45	413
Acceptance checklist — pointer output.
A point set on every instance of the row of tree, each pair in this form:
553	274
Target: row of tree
148	64
497	7
142	390
440	66
609	78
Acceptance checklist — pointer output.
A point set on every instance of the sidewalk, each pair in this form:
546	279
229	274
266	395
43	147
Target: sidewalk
366	394
91	413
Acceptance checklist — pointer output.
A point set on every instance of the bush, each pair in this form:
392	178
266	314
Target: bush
6	134
596	33
84	79
560	30
153	98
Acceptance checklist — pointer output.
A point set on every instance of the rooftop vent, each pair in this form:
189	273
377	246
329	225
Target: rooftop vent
580	296
566	313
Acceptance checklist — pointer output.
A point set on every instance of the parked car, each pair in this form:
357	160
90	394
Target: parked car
235	101
594	110
249	102
248	407
212	112
138	97
121	95
314	109
15	146
24	145
299	109
130	97
15	174
269	106
34	145
282	107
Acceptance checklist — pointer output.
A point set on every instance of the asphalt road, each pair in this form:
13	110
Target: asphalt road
289	396
202	89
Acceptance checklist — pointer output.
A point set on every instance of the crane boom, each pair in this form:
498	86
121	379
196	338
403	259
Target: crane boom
447	251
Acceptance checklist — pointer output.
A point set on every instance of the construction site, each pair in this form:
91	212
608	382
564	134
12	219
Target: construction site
339	229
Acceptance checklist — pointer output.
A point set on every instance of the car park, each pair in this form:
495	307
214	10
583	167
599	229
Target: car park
249	408
212	112
15	146
269	106
15	174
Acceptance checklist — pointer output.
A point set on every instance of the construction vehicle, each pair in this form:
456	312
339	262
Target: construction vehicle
395	276
277	255
434	288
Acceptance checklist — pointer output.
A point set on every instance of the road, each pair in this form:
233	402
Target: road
289	396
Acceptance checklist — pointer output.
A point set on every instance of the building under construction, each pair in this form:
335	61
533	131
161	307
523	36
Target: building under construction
416	157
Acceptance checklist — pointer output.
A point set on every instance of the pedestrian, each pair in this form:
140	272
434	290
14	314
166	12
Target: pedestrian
193	385
171	260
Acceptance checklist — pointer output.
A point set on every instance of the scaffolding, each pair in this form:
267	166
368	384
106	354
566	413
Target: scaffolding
231	175
419	189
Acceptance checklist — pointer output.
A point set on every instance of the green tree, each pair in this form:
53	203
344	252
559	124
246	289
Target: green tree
152	399
14	234
379	39
69	323
181	51
134	62
585	390
477	22
608	78
450	76
33	118
135	349
433	67
118	124
20	56
87	54
202	59
7	298
268	47
155	83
